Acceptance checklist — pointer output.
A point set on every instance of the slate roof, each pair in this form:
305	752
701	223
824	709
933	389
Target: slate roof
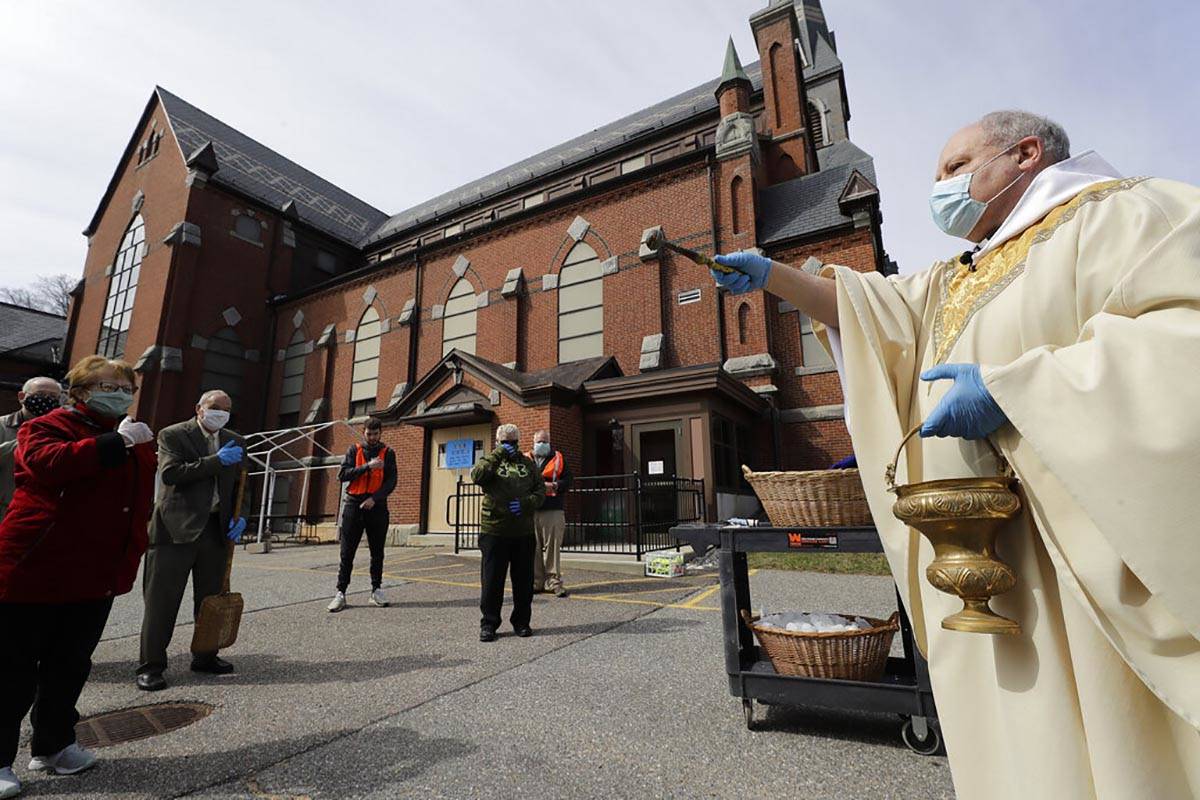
570	375
260	172
684	106
816	39
809	204
22	328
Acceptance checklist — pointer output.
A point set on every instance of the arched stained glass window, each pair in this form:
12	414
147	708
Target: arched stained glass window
293	381
364	385
122	287
459	320
580	305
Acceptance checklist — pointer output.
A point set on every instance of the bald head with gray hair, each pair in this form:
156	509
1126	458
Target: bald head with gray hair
1004	128
212	397
508	433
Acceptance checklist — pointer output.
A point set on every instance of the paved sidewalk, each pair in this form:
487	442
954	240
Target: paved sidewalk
620	694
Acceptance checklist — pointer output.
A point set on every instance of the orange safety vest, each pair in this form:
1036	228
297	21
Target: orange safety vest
370	481
551	471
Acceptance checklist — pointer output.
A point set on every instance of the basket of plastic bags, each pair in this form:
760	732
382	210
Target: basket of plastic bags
819	645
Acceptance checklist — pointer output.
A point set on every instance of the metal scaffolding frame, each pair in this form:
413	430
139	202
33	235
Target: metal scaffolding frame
269	451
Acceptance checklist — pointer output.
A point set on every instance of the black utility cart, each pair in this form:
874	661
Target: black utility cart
904	688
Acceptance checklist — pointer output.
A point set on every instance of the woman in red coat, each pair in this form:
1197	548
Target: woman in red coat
70	542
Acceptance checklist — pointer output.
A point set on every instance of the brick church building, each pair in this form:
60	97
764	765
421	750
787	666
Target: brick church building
528	296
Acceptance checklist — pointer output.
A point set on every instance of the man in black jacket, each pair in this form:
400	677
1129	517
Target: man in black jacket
549	522
370	471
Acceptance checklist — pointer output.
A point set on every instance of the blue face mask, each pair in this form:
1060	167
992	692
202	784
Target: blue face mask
541	448
110	404
954	210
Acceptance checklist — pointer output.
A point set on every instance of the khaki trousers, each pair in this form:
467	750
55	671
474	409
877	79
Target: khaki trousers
549	527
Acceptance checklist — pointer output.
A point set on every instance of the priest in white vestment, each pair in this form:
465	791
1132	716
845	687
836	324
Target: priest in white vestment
1070	336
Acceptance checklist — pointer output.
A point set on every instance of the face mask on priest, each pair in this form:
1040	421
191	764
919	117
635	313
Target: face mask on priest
979	182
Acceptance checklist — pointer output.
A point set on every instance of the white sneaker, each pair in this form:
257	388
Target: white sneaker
68	761
9	785
338	602
377	599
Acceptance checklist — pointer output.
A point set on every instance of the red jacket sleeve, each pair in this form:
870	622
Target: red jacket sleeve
54	456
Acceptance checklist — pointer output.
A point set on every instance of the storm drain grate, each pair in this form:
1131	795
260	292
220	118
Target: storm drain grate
131	724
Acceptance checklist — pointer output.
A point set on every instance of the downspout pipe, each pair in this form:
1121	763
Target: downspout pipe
272	325
414	329
716	244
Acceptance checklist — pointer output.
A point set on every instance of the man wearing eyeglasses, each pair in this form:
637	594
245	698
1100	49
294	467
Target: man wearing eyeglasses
199	462
37	397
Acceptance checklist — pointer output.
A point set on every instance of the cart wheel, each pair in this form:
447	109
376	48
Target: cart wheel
748	712
930	745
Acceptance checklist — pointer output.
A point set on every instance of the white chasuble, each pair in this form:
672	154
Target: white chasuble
1087	328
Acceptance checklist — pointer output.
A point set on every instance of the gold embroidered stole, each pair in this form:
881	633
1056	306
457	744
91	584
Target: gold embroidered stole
964	292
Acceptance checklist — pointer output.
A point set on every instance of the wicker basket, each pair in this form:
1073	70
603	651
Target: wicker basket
847	655
816	499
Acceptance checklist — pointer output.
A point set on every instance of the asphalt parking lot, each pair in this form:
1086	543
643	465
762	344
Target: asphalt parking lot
619	694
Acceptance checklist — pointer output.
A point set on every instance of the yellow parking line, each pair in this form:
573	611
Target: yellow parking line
631	601
432	569
707	593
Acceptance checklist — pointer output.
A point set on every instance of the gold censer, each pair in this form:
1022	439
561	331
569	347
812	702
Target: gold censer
961	518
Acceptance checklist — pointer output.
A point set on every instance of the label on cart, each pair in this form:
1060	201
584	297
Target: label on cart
798	540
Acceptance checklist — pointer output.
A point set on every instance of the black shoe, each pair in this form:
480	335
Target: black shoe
487	635
524	631
151	681
212	665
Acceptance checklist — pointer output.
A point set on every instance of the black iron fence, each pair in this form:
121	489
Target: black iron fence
614	514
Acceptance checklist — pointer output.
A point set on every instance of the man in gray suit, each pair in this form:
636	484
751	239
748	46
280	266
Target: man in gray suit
199	462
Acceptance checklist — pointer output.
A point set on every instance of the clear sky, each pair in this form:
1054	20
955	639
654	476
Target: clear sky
399	101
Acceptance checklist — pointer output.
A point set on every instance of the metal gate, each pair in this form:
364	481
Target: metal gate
611	514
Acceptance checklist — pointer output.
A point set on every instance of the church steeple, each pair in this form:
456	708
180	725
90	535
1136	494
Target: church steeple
733	92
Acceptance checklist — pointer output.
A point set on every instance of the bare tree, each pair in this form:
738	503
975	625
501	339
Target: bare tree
50	293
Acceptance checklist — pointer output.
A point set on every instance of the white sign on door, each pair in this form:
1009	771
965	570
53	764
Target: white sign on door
656	468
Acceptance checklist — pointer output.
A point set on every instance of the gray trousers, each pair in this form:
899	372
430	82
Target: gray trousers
163	581
549	528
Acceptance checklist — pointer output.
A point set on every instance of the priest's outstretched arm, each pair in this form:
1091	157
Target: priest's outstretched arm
813	295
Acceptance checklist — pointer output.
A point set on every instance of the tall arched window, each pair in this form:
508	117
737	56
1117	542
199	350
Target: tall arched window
293	381
114	326
816	124
735	201
458	322
225	367
580	305
743	320
364	382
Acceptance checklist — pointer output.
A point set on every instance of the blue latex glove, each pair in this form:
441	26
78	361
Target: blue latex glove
236	528
509	447
514	506
967	410
230	454
754	272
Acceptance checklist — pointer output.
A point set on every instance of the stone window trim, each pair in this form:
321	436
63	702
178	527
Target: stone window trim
247	213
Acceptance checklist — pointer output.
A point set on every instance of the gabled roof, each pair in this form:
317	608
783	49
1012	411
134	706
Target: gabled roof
813	203
692	103
23	328
260	172
527	388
